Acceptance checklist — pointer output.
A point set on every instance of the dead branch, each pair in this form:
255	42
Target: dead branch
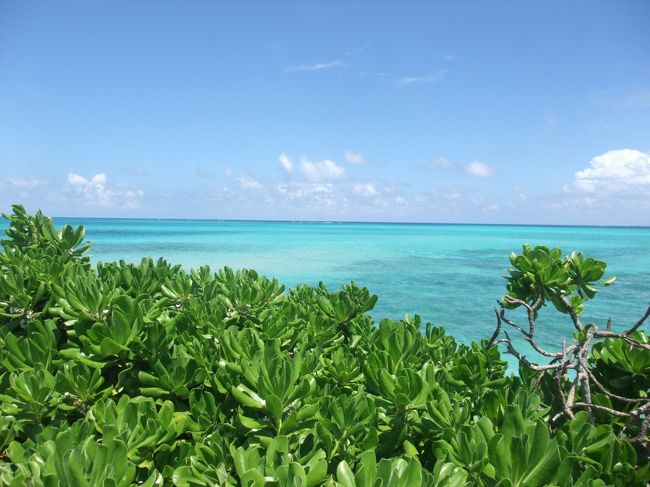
571	366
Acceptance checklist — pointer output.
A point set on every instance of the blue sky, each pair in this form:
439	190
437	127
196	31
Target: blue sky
503	112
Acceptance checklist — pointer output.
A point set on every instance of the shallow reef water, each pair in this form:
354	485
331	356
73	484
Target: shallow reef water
448	274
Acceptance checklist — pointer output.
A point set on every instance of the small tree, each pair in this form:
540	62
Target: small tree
589	373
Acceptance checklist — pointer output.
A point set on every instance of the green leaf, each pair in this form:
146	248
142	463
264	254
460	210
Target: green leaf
248	398
344	475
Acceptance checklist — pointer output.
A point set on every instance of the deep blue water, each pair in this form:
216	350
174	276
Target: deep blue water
448	274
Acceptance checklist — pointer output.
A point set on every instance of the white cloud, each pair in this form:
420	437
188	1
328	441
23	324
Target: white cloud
79	181
479	169
286	162
24	183
365	189
354	158
95	192
297	190
322	188
430	78
616	170
305	196
321	170
441	163
132	198
249	183
634	100
474	168
318	66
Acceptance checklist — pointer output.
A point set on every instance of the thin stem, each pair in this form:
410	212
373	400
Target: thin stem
638	323
572	313
497	331
609	393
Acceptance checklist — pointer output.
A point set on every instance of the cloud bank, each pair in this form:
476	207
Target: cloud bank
321	170
354	158
479	169
249	183
475	168
286	162
317	66
615	171
96	192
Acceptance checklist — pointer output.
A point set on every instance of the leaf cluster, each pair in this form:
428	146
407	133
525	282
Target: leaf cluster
540	274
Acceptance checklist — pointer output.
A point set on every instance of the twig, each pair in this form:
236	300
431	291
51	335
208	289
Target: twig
622	336
524	360
572	313
614	412
558	382
609	393
638	323
497	331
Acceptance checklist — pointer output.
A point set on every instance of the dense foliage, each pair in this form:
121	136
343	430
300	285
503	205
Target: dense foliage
124	374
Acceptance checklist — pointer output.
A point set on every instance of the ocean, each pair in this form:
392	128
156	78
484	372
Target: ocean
450	275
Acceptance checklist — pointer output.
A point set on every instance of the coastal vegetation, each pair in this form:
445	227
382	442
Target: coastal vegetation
120	374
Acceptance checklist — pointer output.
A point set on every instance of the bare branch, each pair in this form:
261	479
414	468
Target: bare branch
497	331
622	336
583	377
572	313
530	339
524	360
609	393
530	309
623	414
575	359
611	411
559	374
514	325
643	432
571	397
638	323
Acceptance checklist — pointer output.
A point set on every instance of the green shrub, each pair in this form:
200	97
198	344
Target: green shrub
144	374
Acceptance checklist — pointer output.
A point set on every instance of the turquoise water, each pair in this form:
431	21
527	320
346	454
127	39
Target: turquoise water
448	274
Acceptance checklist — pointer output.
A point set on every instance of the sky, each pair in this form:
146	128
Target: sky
454	111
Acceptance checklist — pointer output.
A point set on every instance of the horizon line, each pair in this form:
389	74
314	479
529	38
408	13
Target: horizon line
352	222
